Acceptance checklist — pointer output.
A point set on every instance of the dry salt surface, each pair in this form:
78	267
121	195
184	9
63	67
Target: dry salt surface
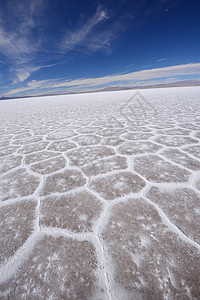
100	196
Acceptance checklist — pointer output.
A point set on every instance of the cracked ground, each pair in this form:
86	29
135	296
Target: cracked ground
100	196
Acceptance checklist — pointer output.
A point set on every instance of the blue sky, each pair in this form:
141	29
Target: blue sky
58	46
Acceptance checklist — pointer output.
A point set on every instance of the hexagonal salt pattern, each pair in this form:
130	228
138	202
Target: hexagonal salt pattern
58	268
99	204
149	261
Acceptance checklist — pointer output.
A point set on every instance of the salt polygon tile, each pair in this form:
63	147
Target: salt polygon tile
112	141
137	135
16	225
181	158
106	165
29	140
61	134
4	143
117	185
88	130
175	141
76	212
7	150
194	150
49	166
82	156
87	140
150	261
39	156
63	182
189	126
110	131
156	169
17	183
182	207
7	163
61	146
33	147
58	268
139	147
174	131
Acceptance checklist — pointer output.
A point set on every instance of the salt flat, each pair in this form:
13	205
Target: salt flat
100	196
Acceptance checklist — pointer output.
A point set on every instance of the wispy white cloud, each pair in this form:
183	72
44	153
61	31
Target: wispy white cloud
162	59
16	41
134	78
82	34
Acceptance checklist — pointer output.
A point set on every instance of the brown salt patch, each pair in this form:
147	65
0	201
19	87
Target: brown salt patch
76	212
49	166
58	268
139	147
182	207
149	261
105	165
117	185
61	134
82	156
87	140
137	136
16	225
175	141
33	147
39	156
61	146
29	140
157	169
9	162
112	141
182	158
194	150
7	150
63	182
17	184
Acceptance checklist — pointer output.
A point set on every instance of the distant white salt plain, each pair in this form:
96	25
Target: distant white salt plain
100	196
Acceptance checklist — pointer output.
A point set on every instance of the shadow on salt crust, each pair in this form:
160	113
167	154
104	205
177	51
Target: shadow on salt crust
16	225
58	268
149	260
76	212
